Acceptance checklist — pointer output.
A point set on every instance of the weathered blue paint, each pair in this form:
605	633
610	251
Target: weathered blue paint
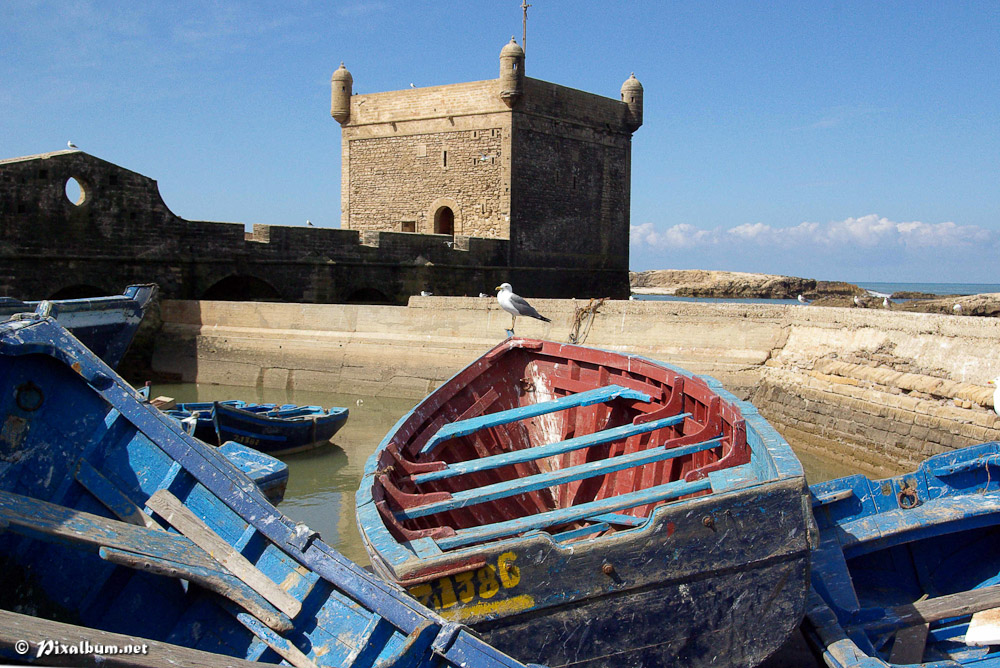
899	551
502	490
718	579
596	396
268	473
548	450
67	551
106	325
280	430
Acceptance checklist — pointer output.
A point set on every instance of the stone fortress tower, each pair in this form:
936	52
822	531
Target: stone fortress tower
544	166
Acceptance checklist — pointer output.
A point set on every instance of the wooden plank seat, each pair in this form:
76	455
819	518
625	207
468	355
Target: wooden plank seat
588	398
548	450
667	491
539	481
153	550
932	610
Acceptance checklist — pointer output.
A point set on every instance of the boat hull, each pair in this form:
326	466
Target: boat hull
710	580
904	562
115	519
274	435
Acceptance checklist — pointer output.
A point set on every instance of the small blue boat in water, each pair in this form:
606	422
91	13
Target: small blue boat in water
106	325
116	520
908	568
277	431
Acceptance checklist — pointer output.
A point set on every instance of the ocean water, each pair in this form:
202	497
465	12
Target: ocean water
875	288
885	289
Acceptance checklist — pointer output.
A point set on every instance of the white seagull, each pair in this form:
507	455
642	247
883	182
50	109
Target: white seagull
857	301
886	303
957	308
70	144
483	294
309	223
802	300
516	305
425	293
996	394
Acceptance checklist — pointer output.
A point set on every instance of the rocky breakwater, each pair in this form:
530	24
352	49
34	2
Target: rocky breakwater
736	285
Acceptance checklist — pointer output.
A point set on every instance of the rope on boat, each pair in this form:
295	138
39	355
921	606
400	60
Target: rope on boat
588	313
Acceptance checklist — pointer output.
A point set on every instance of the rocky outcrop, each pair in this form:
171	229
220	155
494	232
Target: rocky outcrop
735	285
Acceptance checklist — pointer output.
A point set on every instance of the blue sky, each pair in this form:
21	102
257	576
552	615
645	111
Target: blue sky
836	140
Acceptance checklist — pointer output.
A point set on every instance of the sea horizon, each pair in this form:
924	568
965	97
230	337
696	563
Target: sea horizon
874	288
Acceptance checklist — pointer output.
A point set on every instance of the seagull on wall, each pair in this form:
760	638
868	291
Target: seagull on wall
516	305
309	223
70	144
996	394
412	86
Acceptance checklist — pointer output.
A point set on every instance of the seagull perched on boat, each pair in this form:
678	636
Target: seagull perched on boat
70	144
516	306
996	394
802	300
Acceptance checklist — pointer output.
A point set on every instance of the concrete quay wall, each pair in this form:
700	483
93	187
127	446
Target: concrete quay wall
879	388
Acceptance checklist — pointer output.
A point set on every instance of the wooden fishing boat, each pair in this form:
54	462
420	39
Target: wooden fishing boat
908	568
114	519
578	506
106	325
203	413
268	473
278	431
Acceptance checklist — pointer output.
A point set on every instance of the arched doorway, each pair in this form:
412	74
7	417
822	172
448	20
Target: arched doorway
241	288
444	221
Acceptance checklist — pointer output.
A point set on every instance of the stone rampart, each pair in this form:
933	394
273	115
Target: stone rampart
880	389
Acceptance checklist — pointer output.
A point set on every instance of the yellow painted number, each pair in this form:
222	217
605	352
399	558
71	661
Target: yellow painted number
464	588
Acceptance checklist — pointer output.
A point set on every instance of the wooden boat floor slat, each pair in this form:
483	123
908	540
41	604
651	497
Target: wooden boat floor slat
590	397
547	450
670	490
154	550
542	480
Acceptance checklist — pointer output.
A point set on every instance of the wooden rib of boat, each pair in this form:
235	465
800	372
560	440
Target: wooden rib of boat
106	325
908	568
113	518
278	431
584	507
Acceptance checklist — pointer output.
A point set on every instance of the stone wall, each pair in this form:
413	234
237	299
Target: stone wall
406	179
122	233
879	389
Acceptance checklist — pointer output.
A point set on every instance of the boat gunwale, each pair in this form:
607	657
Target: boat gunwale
772	460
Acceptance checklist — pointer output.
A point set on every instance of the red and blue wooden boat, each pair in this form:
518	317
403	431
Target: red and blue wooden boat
106	325
115	521
908	568
589	508
278	430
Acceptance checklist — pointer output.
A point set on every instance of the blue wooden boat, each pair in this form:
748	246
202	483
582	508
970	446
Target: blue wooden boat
106	325
908	568
114	519
278	431
588	508
268	473
203	413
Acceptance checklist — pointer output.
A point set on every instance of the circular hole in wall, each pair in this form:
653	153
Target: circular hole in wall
75	192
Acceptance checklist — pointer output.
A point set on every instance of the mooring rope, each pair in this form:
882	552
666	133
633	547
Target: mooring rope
582	314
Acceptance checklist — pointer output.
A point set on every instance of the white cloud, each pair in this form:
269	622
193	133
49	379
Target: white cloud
871	231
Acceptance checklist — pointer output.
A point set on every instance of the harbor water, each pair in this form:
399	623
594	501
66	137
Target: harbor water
322	482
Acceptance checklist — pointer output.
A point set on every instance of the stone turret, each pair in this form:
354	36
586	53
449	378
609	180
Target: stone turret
632	97
511	73
341	84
